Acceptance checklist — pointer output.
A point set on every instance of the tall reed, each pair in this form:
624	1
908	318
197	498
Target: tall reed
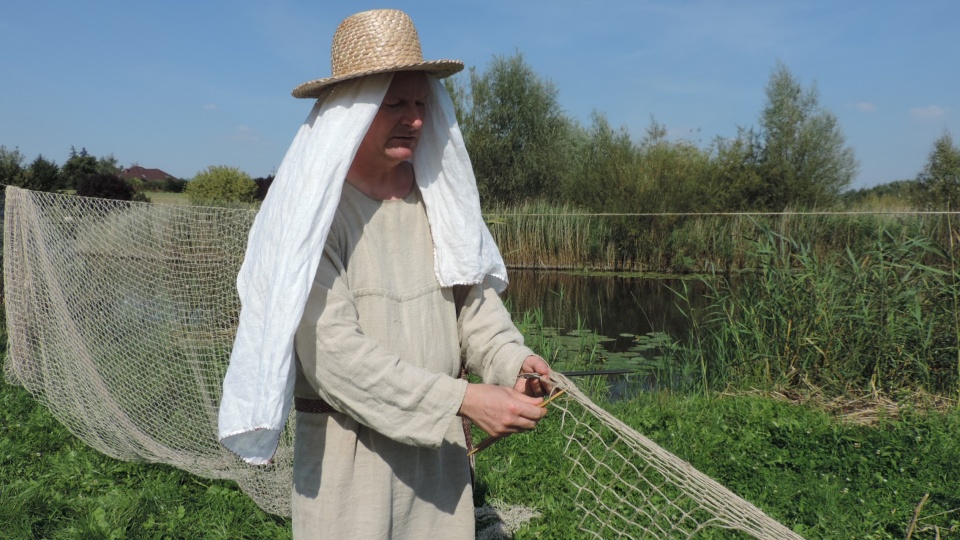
540	235
883	318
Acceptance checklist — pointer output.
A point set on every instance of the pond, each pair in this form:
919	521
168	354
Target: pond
608	304
632	316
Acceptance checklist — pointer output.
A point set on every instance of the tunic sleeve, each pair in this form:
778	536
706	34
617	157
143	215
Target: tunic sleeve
491	345
359	377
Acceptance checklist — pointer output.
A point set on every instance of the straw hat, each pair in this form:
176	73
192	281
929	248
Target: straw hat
375	41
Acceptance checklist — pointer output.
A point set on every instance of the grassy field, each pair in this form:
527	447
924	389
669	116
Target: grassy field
815	468
52	485
820	475
812	471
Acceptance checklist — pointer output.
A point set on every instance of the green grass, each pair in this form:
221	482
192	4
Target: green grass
822	477
54	486
819	476
163	197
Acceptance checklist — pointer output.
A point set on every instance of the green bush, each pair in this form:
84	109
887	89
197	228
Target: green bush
220	184
105	186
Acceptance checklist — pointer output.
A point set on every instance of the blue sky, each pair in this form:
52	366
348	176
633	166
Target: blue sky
182	85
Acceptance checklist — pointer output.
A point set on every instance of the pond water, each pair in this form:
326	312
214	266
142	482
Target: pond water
610	305
631	315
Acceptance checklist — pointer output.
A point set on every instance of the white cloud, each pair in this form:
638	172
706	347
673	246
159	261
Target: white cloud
210	107
865	106
932	112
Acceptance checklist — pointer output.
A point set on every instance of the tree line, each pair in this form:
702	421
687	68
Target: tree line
82	172
86	175
936	186
525	148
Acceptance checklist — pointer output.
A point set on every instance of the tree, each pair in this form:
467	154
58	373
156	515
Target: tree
518	137
804	161
263	186
735	181
220	184
105	186
78	166
109	165
174	185
42	175
898	192
607	175
11	166
672	172
940	178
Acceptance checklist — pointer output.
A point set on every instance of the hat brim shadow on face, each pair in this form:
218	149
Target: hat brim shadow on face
319	87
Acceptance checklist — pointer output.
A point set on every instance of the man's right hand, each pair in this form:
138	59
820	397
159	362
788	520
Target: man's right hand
499	410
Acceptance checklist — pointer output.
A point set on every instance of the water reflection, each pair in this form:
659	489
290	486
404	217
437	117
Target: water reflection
609	305
625	310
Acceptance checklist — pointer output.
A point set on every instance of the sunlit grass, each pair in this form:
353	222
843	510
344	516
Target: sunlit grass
52	485
164	197
820	476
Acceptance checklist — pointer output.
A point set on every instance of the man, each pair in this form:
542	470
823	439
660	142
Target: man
371	242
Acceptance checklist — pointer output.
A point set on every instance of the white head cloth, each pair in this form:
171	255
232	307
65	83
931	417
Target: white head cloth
288	235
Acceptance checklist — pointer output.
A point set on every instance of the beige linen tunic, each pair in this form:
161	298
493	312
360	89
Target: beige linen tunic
380	341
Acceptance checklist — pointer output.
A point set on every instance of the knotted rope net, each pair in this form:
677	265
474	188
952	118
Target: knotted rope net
627	486
121	317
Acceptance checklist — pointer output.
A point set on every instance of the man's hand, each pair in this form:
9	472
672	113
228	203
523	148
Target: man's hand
533	386
500	411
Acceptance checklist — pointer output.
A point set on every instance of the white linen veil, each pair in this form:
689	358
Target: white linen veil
288	235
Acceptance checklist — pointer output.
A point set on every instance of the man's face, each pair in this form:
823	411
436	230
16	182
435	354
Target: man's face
395	131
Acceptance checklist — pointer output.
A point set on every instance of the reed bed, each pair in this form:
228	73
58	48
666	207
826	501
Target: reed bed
541	235
881	321
545	236
843	305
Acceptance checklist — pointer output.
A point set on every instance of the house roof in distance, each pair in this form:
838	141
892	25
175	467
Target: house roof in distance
142	173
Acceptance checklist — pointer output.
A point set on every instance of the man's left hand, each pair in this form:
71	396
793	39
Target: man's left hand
533	386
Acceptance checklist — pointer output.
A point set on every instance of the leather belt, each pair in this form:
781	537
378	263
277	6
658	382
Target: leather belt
314	405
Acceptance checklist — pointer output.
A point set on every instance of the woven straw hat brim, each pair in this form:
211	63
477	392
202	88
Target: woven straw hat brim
437	68
376	41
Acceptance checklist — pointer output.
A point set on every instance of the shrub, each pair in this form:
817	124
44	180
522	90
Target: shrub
174	185
105	186
220	184
263	186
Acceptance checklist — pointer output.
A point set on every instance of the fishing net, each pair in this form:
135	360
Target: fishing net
627	486
121	318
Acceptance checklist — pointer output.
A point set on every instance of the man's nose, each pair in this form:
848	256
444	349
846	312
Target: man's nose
413	116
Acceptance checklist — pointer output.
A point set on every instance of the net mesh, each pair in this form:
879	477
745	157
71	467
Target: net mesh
121	317
627	486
